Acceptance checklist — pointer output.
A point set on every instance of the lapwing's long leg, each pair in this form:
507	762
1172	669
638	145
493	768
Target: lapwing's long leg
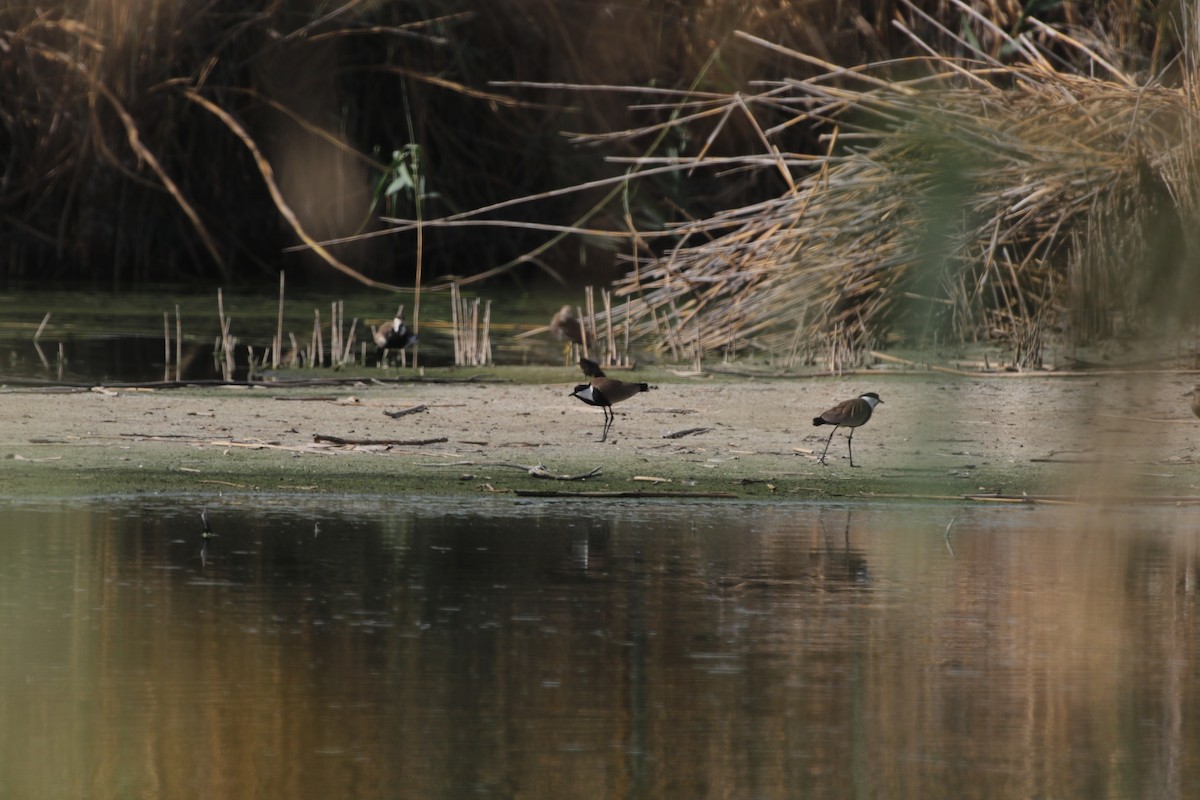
609	416
821	460
850	446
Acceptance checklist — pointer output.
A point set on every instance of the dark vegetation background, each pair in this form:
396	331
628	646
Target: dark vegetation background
114	174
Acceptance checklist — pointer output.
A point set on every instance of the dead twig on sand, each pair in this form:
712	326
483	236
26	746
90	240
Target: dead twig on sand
685	432
319	437
404	412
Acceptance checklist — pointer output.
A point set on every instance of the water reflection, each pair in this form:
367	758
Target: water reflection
445	648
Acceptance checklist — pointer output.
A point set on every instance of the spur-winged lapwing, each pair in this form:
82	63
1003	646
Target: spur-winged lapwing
604	392
847	414
590	368
1195	395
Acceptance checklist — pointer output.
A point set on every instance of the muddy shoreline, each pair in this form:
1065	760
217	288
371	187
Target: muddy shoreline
936	436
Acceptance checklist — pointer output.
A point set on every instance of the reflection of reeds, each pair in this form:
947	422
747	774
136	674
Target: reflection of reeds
37	335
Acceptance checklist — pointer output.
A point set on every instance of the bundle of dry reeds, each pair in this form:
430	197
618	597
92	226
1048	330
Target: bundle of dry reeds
972	198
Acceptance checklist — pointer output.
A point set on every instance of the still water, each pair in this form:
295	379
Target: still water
96	336
435	648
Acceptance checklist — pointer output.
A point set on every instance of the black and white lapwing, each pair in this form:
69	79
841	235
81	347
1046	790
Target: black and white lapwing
590	368
393	335
604	392
847	414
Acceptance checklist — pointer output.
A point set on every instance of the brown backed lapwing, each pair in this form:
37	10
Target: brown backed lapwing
847	414
604	392
566	326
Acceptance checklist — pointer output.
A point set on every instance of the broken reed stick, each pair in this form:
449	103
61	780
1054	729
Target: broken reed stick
404	412
455	322
471	320
38	347
166	346
486	335
338	440
589	322
348	353
277	345
610	341
227	345
335	334
335	348
318	346
625	350
41	327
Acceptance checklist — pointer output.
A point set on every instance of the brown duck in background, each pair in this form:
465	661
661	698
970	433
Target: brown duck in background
567	328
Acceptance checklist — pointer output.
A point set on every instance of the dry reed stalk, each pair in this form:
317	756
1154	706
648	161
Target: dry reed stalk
589	320
485	356
348	352
166	346
277	344
335	334
178	345
471	331
455	323
294	356
317	357
36	346
227	342
610	341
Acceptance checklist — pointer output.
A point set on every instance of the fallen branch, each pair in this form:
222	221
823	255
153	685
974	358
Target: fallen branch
319	437
538	471
404	412
685	432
